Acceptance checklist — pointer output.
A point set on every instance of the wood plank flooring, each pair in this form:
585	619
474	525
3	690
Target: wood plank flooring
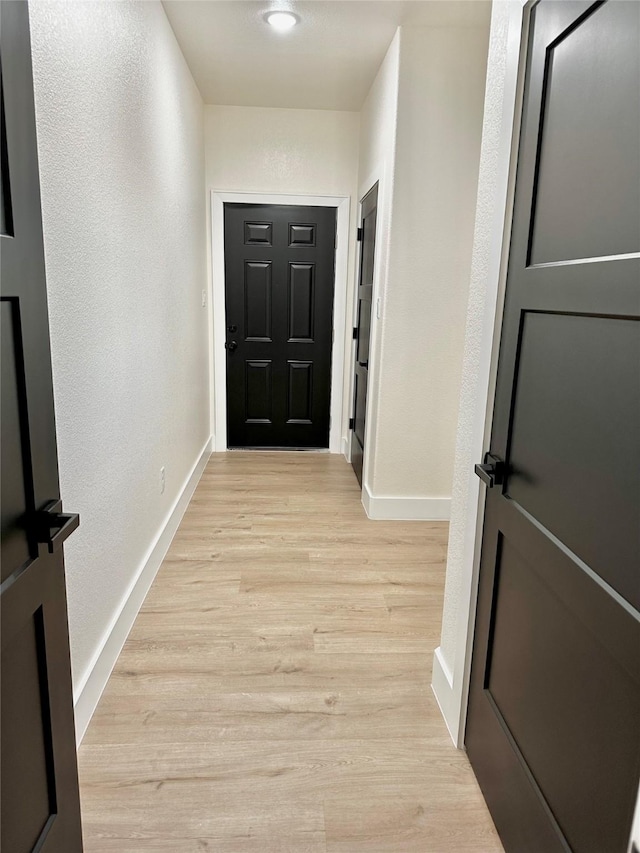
274	694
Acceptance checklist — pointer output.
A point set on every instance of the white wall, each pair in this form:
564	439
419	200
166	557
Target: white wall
492	222
300	152
378	119
120	134
441	88
423	119
259	149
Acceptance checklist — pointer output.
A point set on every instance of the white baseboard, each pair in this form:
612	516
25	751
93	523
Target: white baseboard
92	685
346	448
405	509
442	686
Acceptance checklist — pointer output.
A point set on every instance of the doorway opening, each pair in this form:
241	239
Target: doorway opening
280	267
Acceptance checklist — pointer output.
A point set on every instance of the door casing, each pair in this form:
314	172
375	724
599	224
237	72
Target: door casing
377	176
217	310
452	688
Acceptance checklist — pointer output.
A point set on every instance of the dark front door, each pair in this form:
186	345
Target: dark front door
39	786
362	331
553	729
279	277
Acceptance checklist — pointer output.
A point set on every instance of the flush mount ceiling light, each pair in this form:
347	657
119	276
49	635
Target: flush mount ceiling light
281	21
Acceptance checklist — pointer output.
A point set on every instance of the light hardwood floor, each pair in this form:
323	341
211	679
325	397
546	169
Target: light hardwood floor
273	695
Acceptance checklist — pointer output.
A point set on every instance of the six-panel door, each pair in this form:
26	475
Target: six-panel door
279	283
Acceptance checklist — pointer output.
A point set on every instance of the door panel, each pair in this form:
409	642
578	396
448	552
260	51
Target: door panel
301	299
30	802
567	748
575	401
279	271
257	301
258	386
363	328
552	727
577	200
300	392
16	464
40	804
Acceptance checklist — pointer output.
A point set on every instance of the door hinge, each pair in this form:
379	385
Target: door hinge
352	423
355	334
360	234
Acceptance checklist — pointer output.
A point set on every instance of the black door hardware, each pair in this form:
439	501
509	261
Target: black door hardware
52	527
232	329
232	346
491	472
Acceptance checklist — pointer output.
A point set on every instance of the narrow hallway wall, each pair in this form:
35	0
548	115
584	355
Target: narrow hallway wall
376	163
440	102
120	134
420	135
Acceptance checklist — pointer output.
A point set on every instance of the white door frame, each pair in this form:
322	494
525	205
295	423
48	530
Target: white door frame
377	176
498	160
219	367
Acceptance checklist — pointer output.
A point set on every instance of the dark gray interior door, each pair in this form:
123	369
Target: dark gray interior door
553	729
39	785
279	281
362	331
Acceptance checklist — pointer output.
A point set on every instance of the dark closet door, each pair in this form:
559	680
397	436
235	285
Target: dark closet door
39	785
362	332
279	278
553	730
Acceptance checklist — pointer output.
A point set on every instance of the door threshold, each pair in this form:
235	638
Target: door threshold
281	449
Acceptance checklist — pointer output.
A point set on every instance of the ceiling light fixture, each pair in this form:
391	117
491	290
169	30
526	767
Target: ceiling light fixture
281	21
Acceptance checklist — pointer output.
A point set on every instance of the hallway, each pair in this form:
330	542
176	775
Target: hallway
274	692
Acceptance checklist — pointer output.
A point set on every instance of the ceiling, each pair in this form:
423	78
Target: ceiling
327	62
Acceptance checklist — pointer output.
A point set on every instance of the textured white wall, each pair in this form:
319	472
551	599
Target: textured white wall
261	149
378	117
377	161
302	152
439	123
120	134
